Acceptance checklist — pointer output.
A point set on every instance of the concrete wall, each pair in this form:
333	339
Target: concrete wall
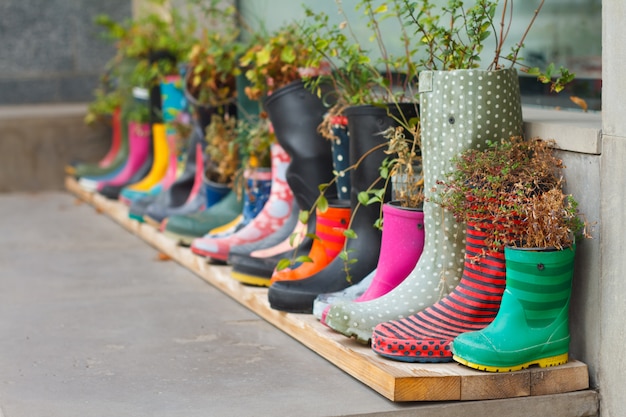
51	51
610	309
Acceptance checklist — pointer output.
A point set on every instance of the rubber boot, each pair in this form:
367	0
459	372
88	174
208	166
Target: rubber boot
295	113
165	100
151	183
459	110
472	305
113	192
139	149
275	212
189	192
110	159
340	147
255	196
322	302
252	261
532	326
329	228
185	228
401	247
172	102
365	124
177	198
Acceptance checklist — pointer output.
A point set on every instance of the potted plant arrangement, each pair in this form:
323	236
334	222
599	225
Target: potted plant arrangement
532	324
495	192
462	106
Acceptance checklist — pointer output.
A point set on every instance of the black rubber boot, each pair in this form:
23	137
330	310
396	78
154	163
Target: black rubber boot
365	124
295	114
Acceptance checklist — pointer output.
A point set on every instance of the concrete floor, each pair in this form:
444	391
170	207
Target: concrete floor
93	324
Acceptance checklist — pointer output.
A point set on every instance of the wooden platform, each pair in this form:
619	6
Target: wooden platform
397	381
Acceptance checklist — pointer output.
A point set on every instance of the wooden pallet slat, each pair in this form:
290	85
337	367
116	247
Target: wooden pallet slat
397	381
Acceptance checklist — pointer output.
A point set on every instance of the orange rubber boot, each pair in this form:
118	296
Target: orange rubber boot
329	228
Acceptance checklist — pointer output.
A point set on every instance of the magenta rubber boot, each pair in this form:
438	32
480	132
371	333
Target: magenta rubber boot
271	218
401	246
138	150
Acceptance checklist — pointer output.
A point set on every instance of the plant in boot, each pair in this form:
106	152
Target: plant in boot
213	68
461	107
485	190
498	183
359	80
223	149
278	61
517	186
532	325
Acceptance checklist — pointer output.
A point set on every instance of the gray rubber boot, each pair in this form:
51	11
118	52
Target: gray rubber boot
459	110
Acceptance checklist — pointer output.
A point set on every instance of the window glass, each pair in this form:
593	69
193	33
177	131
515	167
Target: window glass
566	32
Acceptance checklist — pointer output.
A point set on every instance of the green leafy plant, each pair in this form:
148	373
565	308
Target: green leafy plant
223	149
213	68
146	49
453	36
275	62
356	76
255	138
359	79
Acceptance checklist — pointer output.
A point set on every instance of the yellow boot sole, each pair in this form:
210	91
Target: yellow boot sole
542	363
250	279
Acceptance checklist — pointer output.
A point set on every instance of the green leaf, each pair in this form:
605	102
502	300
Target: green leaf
533	71
303	216
350	234
322	204
303	258
363	197
313	236
282	264
292	239
381	9
262	57
287	54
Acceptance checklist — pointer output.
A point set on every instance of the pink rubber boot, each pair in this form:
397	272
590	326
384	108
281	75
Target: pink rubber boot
273	215
138	150
401	247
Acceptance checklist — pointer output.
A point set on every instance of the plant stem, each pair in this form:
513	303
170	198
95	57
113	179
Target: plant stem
521	42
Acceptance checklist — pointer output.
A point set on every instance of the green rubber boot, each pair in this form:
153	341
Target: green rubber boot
459	110
186	228
532	325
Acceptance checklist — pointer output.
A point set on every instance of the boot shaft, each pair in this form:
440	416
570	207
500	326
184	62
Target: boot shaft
296	113
541	281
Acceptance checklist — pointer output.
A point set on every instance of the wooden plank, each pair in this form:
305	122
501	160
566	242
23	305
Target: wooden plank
398	381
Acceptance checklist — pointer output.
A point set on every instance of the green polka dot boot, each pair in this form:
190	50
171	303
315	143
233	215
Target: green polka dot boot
459	110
